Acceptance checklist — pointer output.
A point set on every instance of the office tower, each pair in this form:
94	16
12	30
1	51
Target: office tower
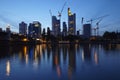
64	29
87	30
23	28
34	29
55	26
71	23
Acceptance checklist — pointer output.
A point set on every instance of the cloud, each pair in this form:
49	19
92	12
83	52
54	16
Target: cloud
4	19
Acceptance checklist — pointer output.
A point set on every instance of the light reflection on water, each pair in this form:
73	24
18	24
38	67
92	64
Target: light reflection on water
8	68
69	62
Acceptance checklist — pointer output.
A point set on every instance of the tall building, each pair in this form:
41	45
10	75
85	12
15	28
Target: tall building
30	30
71	23
23	28
34	29
87	30
64	29
55	26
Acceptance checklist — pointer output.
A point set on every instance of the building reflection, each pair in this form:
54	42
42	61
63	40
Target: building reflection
110	46
48	51
60	57
25	54
64	52
86	53
56	59
72	60
5	51
96	54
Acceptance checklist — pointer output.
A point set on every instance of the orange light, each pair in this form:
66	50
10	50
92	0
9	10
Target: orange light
58	71
56	60
25	39
96	58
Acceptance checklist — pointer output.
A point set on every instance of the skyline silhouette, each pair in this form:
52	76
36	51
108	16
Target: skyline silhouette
13	12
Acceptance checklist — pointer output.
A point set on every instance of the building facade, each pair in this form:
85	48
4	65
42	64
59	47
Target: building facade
34	29
55	26
87	30
71	23
23	28
64	32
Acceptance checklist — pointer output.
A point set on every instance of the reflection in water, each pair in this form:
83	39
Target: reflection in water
96	49
110	46
86	54
63	60
25	54
56	59
72	60
83	56
58	71
8	68
96	57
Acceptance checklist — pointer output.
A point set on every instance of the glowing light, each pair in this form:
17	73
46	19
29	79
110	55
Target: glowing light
56	60
69	12
26	58
36	25
25	50
25	39
8	68
96	58
83	56
58	71
71	22
38	39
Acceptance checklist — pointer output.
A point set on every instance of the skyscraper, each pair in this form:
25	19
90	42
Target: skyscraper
55	26
64	29
34	29
30	30
71	23
87	30
23	28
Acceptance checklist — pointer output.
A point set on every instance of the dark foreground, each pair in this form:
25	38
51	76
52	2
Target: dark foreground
60	62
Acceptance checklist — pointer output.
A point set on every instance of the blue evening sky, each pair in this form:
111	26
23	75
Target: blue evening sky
14	11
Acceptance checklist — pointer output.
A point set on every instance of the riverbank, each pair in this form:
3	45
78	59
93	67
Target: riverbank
8	42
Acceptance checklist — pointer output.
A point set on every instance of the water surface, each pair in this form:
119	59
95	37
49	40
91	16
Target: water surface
60	62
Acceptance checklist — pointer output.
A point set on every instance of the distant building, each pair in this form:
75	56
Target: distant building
87	30
71	23
0	29
30	29
9	32
34	29
23	28
55	26
78	33
64	32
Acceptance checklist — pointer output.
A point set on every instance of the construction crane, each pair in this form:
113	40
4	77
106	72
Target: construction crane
94	29
82	20
97	24
60	13
91	20
50	13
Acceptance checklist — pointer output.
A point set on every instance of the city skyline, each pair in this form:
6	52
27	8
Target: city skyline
13	12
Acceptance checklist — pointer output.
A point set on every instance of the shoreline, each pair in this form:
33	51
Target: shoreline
8	42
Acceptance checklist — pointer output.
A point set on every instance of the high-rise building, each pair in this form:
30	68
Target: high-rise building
55	26
71	23
87	30
64	29
30	29
23	28
34	29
